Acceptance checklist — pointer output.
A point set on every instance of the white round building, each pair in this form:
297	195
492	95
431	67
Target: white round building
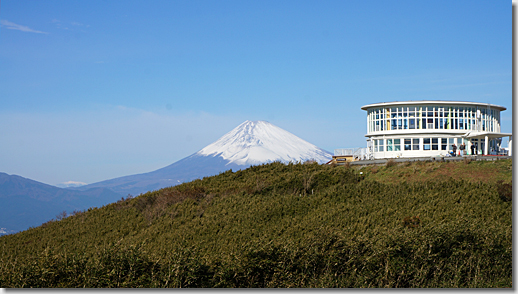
432	128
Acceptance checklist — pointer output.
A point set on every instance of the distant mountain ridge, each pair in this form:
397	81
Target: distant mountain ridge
27	203
250	143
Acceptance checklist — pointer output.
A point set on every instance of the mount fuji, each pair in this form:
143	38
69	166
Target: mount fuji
250	143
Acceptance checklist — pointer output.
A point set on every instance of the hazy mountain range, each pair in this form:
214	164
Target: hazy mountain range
27	203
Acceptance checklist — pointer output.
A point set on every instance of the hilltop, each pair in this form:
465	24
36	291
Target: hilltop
421	224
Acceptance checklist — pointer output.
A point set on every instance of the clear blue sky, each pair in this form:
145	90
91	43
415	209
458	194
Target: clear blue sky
93	90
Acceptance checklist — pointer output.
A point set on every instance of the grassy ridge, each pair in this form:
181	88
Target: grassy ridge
297	225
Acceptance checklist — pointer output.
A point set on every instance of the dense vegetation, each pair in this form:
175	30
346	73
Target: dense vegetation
421	224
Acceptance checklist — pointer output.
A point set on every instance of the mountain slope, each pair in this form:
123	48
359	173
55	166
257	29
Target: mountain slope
184	170
250	143
27	203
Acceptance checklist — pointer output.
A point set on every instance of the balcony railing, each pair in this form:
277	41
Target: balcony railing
361	153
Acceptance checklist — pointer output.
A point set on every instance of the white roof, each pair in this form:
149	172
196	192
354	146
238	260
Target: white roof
490	135
432	102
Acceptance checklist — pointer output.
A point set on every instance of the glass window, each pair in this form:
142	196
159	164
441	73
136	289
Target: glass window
389	144
394	124
407	144
415	145
430	123
459	141
411	111
397	144
426	144
444	144
411	123
380	145
435	143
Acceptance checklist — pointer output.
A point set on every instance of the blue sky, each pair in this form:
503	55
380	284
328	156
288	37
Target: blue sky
93	90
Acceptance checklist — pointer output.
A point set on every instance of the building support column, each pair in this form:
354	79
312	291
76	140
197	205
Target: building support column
486	143
510	146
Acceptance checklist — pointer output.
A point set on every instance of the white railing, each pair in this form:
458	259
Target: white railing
361	153
344	151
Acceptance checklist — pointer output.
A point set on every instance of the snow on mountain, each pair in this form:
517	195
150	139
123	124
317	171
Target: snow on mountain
258	142
70	184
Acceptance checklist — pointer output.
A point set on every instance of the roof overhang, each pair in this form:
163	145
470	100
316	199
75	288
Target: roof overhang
432	102
489	135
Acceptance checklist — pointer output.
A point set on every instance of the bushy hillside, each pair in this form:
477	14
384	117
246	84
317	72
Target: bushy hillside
277	225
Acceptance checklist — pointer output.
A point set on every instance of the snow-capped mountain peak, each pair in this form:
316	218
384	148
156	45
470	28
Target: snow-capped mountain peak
250	143
257	142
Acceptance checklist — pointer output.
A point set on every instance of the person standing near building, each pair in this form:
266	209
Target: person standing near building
462	149
472	149
454	148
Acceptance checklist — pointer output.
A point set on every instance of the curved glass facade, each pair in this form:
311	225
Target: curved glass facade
435	117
